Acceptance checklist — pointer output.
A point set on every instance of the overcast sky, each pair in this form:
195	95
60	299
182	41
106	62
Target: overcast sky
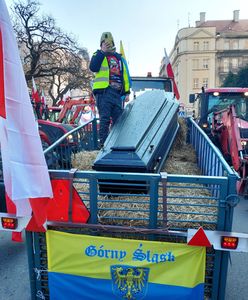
146	27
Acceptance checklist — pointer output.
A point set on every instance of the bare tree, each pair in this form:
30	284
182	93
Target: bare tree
76	77
47	52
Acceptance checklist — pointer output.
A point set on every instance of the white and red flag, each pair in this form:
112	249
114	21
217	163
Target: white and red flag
25	171
170	74
43	98
35	94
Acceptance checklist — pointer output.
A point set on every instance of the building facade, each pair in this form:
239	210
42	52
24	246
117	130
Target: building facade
203	55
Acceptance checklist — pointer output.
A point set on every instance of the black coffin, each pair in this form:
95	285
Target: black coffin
143	135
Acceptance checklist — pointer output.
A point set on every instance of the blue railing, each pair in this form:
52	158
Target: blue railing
210	159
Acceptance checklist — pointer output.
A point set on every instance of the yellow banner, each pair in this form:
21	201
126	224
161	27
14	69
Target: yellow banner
93	256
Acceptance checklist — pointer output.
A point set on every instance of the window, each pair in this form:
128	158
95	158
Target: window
195	63
205	63
235	63
226	65
205	45
235	45
226	45
195	83
196	46
205	82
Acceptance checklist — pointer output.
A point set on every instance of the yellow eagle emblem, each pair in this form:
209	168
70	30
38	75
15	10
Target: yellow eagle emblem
129	282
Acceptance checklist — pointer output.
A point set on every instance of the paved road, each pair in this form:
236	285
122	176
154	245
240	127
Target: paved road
14	278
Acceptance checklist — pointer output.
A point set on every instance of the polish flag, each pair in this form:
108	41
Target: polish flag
170	74
43	98
35	93
26	177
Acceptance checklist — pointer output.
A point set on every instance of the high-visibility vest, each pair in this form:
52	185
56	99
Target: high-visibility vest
126	78
101	80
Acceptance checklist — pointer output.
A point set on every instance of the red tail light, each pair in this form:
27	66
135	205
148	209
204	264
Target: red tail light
229	242
9	223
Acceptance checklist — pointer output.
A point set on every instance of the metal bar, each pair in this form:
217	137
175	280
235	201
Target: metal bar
165	216
95	134
153	203
222	282
218	272
51	147
37	264
93	200
197	179
116	228
71	175
227	227
32	279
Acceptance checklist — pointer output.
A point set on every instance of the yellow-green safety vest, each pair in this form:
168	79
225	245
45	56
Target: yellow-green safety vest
101	80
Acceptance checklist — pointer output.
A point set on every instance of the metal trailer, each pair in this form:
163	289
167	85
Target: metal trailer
174	204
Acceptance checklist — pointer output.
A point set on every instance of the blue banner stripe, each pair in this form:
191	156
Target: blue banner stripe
66	286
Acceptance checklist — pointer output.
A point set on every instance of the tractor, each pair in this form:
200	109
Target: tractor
223	115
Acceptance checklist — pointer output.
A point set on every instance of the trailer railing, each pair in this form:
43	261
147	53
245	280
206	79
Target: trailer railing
59	154
210	160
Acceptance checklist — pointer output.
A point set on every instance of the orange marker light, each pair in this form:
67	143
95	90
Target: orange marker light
229	242
9	223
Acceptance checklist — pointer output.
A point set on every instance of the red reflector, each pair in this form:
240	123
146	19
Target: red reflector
9	223
229	242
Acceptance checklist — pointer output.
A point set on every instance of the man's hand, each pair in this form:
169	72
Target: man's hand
126	98
106	46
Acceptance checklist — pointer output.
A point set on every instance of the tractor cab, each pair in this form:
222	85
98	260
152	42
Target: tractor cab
53	113
218	101
142	84
211	101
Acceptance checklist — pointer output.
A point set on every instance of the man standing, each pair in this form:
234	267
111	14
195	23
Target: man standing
111	83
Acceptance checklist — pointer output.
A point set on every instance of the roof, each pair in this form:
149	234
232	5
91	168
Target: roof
227	25
227	90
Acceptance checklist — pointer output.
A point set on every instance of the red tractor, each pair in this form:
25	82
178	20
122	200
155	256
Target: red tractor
50	132
74	109
223	114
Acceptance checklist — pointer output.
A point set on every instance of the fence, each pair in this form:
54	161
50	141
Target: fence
172	204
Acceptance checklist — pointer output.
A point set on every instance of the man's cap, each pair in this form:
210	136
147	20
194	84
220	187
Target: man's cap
107	37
